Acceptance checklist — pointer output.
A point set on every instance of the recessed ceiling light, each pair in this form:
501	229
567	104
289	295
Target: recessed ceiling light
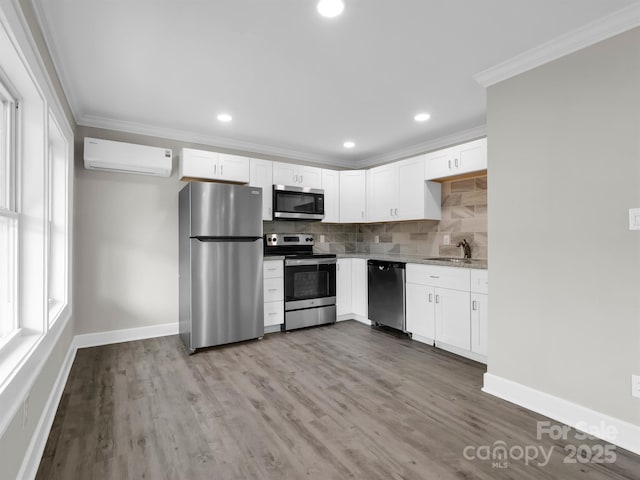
422	117
349	144
225	117
330	8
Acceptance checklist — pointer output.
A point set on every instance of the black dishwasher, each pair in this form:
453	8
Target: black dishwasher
387	293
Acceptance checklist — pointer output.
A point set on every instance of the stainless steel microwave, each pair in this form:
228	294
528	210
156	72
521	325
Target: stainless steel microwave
298	203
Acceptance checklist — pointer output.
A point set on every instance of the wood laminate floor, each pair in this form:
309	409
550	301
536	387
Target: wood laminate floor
339	402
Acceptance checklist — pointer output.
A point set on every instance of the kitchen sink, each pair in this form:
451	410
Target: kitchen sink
455	260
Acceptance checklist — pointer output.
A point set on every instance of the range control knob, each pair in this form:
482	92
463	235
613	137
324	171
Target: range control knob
309	239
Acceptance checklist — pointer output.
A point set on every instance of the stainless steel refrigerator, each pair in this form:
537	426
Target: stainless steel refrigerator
220	264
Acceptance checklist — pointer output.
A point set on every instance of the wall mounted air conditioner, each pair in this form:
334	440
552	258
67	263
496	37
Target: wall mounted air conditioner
123	157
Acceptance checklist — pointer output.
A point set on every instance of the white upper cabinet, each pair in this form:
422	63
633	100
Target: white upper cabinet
331	187
213	166
398	192
353	196
466	158
296	175
261	175
382	193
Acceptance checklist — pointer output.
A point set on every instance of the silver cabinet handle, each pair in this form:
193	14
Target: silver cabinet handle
272	314
449	164
362	213
434	276
272	290
269	209
301	179
271	269
221	169
474	305
456	163
430	297
437	298
295	179
396	212
391	212
215	169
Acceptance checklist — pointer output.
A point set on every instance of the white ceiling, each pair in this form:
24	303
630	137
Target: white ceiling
297	84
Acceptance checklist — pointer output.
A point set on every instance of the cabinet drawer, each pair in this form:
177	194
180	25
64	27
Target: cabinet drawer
273	269
480	281
273	289
455	278
273	313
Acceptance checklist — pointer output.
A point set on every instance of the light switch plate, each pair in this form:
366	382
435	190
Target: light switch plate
446	240
635	385
634	219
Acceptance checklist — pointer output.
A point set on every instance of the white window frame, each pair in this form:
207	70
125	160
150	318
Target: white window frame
8	210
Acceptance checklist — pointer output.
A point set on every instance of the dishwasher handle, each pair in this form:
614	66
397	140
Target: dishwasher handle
385	266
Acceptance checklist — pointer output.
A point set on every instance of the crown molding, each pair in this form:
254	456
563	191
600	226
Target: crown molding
582	37
211	140
64	77
429	146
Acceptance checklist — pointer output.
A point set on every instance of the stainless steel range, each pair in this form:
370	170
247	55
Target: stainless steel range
309	280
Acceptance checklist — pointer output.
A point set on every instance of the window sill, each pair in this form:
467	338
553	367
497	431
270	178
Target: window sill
14	352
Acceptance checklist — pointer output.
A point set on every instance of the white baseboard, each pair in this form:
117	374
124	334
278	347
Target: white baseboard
564	411
34	452
125	335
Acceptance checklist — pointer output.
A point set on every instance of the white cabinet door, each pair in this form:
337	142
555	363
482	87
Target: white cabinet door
353	196
382	191
198	164
309	176
233	168
261	175
296	175
438	164
453	318
343	287
284	174
470	156
331	187
359	287
273	313
411	191
479	323
420	310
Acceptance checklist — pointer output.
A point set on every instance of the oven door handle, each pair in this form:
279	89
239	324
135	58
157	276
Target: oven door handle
311	261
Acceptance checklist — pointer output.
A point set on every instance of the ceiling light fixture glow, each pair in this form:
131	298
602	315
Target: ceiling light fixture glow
330	8
224	117
422	117
349	144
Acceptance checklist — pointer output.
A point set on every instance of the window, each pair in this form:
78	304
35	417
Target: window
57	220
8	218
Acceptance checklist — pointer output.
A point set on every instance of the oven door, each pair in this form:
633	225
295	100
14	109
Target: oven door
309	283
298	203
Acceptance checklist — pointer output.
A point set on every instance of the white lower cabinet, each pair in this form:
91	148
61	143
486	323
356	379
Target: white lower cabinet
479	323
453	321
479	312
421	314
343	287
351	289
273	271
443	309
359	288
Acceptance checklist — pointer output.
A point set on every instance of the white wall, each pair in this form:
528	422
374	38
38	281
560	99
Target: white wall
564	150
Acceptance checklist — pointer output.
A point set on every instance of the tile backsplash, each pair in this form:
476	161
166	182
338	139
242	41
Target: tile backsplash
464	215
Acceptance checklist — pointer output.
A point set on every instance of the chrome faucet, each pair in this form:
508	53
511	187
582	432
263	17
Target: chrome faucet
465	247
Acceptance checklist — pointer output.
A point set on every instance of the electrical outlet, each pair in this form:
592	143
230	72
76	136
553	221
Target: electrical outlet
635	385
321	238
376	239
25	412
446	240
